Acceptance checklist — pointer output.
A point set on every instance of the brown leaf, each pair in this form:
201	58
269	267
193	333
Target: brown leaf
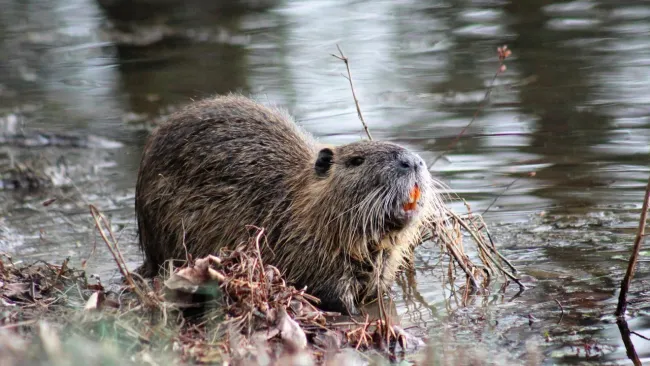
329	340
15	290
6	303
290	331
264	335
95	287
188	279
95	301
406	340
177	282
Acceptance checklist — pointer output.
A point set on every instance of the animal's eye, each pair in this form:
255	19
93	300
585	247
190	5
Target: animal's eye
357	160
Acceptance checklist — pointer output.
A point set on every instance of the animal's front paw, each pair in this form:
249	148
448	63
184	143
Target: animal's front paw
340	303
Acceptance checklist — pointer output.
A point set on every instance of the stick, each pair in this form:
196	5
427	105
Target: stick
504	53
461	263
640	335
561	309
499	196
625	284
629	345
115	251
354	95
494	250
480	245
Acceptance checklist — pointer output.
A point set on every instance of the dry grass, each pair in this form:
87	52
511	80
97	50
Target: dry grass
492	265
231	308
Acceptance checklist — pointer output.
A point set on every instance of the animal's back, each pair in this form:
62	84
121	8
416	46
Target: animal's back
224	158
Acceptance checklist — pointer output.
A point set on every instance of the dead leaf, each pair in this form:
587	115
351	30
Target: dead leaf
96	287
264	335
48	202
15	290
176	282
329	340
406	340
290	331
188	279
95	301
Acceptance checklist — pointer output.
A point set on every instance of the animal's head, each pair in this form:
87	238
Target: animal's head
376	187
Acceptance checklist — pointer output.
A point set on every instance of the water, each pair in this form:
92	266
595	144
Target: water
573	108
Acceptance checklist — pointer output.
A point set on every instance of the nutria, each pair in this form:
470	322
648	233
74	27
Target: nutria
338	220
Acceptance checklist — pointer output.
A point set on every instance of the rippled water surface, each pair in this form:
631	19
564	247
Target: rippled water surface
573	107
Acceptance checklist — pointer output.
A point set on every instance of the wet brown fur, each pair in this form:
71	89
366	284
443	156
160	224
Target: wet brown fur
227	162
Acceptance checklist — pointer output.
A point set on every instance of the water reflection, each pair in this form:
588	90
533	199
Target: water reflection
565	119
573	107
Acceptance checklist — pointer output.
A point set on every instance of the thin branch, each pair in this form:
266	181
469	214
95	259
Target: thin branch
354	95
480	244
499	196
561	309
459	259
104	226
625	284
640	335
504	53
629	345
493	248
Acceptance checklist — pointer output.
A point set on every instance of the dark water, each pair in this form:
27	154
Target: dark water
573	107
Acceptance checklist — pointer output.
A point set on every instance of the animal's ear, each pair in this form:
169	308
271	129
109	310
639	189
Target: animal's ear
323	162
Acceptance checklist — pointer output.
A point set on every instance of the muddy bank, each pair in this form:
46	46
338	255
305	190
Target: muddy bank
231	309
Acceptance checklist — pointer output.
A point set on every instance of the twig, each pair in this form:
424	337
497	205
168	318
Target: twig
187	256
62	270
561	309
115	252
640	335
354	95
459	259
364	330
480	245
494	250
383	313
625	284
19	324
504	53
259	259
531	174
629	345
499	196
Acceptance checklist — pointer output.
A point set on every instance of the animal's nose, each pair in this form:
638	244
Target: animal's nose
409	163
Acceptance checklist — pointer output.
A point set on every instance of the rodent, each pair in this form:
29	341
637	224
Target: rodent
337	219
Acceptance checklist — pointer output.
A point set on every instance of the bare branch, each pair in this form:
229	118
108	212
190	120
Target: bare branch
354	95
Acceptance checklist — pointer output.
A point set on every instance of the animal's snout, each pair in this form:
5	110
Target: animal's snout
408	163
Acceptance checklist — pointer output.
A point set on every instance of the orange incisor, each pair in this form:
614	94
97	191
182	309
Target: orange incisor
414	196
